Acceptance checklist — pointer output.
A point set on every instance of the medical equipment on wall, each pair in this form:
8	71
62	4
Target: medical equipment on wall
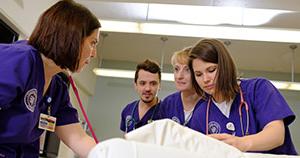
133	121
230	125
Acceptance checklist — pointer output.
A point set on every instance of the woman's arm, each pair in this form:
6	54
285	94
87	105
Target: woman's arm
75	138
269	138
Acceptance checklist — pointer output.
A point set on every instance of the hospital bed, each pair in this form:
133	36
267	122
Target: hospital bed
166	138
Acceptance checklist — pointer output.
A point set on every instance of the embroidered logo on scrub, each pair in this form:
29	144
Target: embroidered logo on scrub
176	119
214	127
30	99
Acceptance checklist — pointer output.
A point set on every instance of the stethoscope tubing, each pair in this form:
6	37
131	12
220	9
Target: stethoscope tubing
82	108
132	115
242	102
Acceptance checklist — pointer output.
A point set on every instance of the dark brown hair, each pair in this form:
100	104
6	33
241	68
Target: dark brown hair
214	51
61	30
147	65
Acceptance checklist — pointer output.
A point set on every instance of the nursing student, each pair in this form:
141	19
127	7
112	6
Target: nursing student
249	114
140	112
180	106
33	98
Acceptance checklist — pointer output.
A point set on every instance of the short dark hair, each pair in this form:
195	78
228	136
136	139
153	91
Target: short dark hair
147	65
60	31
214	51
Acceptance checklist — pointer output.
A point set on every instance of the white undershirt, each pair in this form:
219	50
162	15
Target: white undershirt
224	107
188	115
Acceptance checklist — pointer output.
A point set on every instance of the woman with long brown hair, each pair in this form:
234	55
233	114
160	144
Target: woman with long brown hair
249	114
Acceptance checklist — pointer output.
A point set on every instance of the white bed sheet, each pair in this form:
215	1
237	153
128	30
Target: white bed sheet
166	138
120	148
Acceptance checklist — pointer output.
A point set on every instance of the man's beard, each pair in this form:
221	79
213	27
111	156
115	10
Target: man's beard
147	101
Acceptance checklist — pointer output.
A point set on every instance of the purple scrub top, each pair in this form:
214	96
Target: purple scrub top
172	108
265	103
22	101
130	116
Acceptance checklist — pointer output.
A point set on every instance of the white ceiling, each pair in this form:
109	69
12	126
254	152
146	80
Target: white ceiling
249	55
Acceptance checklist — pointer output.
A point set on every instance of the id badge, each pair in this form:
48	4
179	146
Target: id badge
47	122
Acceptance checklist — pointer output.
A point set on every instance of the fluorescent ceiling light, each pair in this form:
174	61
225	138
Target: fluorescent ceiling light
223	32
212	15
117	73
287	85
114	73
254	17
120	26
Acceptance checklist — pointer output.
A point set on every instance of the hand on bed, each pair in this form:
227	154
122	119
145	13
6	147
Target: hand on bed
239	142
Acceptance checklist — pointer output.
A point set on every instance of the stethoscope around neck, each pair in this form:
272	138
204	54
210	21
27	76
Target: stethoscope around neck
133	121
242	102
